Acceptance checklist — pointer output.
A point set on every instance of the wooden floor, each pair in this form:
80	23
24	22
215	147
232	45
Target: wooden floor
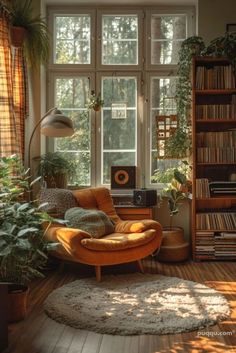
39	334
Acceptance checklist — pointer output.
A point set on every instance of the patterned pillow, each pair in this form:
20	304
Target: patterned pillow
95	222
59	200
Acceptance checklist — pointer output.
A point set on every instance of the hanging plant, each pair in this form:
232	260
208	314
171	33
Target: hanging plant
95	102
178	145
32	30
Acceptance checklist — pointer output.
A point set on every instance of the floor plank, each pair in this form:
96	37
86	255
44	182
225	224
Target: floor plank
39	334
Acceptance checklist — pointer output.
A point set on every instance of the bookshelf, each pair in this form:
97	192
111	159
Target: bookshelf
214	159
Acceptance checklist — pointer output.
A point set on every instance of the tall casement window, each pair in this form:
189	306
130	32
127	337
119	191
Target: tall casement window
130	57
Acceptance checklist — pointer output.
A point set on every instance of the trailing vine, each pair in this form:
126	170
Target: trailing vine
178	145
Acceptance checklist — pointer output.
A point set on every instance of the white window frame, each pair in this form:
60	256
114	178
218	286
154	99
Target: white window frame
58	11
138	125
190	23
144	70
50	143
121	12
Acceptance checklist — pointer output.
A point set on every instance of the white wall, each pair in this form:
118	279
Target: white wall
213	15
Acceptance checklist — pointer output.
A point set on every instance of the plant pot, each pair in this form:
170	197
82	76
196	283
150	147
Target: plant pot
97	108
58	181
17	36
174	248
17	302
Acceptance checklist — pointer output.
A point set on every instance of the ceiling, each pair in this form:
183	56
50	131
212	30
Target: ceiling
118	2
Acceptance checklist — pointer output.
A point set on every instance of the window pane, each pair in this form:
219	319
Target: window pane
118	133
163	110
167	34
120	40
71	96
72	42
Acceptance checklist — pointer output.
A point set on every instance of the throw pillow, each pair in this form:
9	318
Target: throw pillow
58	200
95	222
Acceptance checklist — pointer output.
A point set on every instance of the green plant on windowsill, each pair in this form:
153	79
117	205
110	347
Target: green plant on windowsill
95	102
55	169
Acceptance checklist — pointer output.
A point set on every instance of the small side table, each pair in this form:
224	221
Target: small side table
132	212
3	316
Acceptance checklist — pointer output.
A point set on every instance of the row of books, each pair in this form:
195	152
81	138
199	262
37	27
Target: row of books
216	221
216	245
216	155
202	188
217	77
216	111
216	139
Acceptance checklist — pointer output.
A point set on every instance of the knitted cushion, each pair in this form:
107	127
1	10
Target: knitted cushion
58	200
95	222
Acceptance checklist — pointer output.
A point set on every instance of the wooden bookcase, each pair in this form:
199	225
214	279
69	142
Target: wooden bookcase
214	159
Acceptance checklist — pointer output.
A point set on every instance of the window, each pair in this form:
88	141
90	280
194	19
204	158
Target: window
71	96
120	40
130	57
72	39
167	34
119	123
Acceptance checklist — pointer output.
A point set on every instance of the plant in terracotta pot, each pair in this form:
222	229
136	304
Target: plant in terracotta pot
30	30
55	169
23	251
95	102
174	247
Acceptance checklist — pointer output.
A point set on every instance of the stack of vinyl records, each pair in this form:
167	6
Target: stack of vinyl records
219	188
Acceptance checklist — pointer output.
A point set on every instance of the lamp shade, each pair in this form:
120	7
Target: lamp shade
57	125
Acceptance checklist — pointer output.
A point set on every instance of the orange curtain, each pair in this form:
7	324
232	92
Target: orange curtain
13	93
20	96
8	134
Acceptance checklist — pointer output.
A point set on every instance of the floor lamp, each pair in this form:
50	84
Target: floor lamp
53	124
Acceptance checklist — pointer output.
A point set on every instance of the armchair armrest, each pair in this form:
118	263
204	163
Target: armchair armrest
69	238
137	226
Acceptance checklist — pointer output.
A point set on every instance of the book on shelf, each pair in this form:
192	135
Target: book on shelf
225	235
216	77
202	188
222	187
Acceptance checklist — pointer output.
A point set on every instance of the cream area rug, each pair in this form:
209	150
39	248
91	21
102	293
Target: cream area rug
136	304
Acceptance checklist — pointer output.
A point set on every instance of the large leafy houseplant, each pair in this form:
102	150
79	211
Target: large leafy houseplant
177	189
23	250
36	35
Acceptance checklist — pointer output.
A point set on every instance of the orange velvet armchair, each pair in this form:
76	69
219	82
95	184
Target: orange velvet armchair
131	240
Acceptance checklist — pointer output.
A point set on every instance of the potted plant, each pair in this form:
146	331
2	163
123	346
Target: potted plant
23	251
55	169
95	102
30	31
174	247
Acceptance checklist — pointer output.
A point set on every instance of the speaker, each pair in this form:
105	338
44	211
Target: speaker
123	177
145	197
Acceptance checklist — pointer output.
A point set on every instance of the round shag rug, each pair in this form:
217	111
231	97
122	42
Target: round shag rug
136	304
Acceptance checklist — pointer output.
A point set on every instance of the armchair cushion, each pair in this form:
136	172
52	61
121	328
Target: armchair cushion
95	222
119	241
58	200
